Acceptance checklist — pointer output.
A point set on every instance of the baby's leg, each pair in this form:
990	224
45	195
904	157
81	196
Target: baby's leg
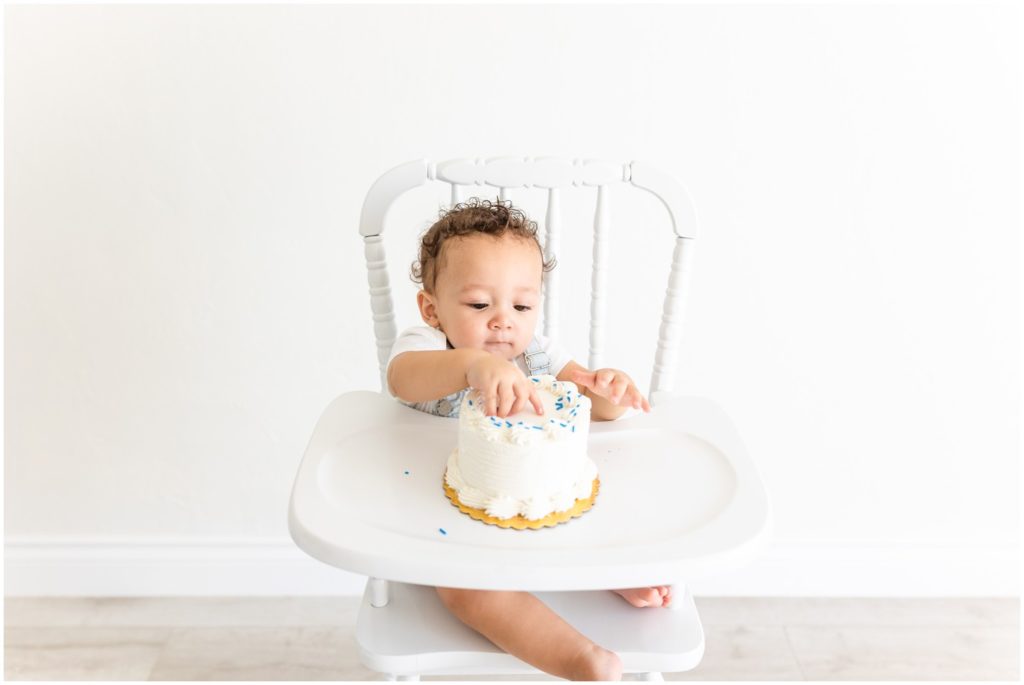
526	628
657	596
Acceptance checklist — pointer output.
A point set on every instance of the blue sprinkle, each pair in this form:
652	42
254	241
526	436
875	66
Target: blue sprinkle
574	429
562	425
538	428
407	473
471	403
535	380
443	531
508	423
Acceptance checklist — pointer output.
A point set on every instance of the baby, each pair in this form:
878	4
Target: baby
481	267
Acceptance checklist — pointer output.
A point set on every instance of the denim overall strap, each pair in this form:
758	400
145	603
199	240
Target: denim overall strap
537	360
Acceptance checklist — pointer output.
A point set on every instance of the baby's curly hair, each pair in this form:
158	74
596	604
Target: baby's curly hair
474	216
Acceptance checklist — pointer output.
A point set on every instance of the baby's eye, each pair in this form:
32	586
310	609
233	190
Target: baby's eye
477	305
523	308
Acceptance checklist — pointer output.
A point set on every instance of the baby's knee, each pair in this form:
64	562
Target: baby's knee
458	599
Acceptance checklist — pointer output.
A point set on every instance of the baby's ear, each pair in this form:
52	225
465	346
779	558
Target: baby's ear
428	308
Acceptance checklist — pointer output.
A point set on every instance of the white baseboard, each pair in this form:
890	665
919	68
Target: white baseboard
240	567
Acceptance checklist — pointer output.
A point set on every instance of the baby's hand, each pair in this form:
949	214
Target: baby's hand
503	387
613	385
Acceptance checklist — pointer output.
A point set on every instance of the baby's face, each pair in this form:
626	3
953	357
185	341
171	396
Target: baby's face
487	294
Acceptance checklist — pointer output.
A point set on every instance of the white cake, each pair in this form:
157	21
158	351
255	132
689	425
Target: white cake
525	465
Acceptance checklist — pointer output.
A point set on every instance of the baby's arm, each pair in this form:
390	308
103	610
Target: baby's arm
428	375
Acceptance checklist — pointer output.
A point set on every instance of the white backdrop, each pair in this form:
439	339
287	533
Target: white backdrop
185	288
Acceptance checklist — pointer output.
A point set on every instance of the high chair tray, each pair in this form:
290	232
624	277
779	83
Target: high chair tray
679	499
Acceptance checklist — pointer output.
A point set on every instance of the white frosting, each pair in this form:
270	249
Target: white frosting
525	464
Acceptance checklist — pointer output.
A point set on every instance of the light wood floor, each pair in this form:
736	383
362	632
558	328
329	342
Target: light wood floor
312	639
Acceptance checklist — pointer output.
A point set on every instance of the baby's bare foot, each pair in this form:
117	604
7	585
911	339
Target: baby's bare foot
657	596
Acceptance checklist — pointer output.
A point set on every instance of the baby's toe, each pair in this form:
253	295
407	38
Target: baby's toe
657	596
649	597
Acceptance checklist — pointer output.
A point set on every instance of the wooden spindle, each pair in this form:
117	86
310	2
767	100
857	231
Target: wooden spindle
380	302
598	280
663	375
552	228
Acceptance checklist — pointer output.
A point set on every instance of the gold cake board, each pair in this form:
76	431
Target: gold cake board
518	522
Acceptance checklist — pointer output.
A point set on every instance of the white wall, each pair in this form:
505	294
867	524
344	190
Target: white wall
185	288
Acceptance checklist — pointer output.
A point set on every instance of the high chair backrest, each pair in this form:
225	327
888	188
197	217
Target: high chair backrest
555	175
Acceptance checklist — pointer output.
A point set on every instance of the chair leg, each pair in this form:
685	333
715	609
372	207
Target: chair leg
378	592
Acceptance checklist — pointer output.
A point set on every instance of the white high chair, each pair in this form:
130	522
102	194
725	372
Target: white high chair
368	496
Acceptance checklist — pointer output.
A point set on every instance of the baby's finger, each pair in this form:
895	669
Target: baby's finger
584	378
535	400
506	397
517	406
603	378
617	390
490	398
522	397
